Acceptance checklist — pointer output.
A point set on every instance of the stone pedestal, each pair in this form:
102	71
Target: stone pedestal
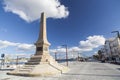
43	65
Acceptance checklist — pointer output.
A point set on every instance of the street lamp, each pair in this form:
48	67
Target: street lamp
78	57
66	54
3	59
118	34
56	56
17	61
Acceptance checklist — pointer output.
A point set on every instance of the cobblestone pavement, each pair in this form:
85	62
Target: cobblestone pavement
78	71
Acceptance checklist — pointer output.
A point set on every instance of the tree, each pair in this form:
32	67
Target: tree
100	54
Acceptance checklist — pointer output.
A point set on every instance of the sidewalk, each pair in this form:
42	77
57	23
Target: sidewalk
79	71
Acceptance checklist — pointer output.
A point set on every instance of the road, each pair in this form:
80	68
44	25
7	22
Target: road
78	71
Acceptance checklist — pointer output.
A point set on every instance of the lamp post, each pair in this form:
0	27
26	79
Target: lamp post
66	54
17	61
56	56
118	34
3	59
78	57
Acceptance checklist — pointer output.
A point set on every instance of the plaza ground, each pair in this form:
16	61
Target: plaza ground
78	71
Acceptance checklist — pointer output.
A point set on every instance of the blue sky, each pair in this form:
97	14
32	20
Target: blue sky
79	23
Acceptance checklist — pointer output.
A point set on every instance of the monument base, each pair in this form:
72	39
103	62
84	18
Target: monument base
37	66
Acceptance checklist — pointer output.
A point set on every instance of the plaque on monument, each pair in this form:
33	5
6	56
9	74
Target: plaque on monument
39	48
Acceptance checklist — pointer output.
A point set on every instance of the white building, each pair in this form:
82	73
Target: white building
108	47
112	49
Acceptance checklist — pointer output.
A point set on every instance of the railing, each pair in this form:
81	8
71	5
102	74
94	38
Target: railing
55	67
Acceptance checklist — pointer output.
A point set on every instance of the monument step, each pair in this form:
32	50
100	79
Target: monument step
29	66
32	63
34	60
24	70
22	73
36	57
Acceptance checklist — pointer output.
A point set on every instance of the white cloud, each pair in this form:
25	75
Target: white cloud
87	45
30	10
74	49
4	44
19	46
92	42
60	50
15	55
26	47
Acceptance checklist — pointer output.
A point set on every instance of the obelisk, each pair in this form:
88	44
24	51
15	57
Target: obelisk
42	44
41	63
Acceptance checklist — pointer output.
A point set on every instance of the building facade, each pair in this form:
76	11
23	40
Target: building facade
111	50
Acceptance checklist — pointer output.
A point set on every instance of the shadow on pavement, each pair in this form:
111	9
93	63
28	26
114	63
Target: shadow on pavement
118	68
